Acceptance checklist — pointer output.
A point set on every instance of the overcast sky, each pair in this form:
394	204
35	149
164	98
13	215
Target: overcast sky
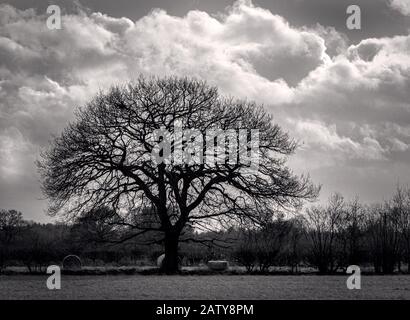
343	94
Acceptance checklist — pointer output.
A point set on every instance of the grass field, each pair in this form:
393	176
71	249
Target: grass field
204	287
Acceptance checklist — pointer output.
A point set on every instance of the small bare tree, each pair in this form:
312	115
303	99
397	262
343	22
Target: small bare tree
11	222
322	227
400	204
270	241
295	248
262	246
383	229
351	233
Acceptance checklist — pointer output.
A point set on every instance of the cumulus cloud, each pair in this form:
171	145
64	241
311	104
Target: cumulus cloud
367	87
402	6
45	74
345	104
14	151
319	136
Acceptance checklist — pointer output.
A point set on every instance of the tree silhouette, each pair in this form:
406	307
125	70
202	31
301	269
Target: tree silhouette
11	223
105	158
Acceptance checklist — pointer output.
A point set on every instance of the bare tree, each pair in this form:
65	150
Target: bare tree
400	204
11	222
245	252
384	237
101	225
104	158
262	246
269	241
295	248
322	227
350	236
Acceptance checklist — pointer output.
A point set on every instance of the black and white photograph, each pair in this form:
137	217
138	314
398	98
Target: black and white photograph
205	150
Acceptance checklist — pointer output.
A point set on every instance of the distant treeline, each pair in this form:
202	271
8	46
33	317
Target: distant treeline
328	238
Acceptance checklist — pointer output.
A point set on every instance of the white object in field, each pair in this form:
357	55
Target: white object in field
218	265
160	260
72	262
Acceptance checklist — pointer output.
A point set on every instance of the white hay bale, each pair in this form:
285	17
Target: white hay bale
72	262
160	260
218	265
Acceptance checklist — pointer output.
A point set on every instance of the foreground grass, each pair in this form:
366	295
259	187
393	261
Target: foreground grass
204	287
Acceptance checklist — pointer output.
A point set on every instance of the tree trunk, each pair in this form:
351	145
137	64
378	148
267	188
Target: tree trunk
170	264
